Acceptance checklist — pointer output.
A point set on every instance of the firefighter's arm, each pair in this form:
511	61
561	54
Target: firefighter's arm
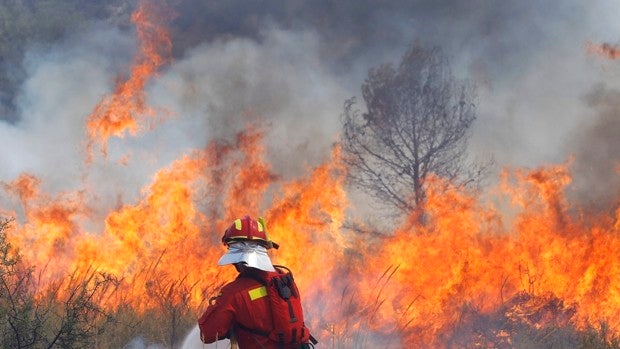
217	320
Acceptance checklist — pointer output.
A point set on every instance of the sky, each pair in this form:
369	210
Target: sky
543	98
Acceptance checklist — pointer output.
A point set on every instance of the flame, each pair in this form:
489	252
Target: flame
307	220
464	255
604	50
51	224
417	282
119	113
164	232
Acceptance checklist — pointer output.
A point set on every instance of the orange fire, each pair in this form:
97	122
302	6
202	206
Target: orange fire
604	50
120	112
421	280
416	282
50	229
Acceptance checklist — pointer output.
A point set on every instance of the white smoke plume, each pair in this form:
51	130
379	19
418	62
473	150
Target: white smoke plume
527	59
214	91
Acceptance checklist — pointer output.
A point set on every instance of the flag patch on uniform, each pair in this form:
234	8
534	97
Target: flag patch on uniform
257	293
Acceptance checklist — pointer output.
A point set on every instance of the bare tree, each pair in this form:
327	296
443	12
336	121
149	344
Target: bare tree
417	122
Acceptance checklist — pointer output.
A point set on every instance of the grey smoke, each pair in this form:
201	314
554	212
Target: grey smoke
291	65
596	147
139	343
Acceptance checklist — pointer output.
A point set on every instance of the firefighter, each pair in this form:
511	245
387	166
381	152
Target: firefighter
244	311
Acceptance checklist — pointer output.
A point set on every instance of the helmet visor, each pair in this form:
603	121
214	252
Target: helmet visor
251	253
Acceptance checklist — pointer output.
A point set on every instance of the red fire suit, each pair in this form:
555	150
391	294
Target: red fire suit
240	304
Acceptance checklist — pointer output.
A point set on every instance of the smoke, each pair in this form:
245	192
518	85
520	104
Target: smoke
62	86
212	92
139	343
527	58
596	144
219	88
192	341
292	64
288	67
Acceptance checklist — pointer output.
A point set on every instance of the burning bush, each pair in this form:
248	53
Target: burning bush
68	313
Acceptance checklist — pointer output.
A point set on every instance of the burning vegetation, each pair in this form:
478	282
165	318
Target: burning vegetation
459	271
